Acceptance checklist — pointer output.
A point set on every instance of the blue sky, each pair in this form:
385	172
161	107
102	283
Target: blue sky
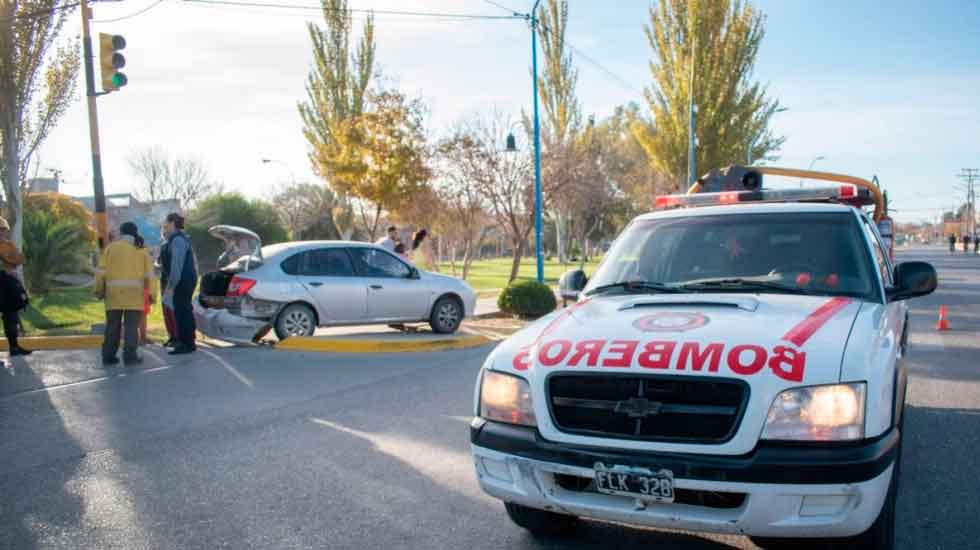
876	88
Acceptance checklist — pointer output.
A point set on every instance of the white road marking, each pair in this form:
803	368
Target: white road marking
234	372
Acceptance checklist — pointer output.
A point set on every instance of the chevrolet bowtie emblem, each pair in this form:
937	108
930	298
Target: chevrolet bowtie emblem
638	407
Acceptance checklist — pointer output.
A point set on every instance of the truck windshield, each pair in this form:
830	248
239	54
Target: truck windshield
800	253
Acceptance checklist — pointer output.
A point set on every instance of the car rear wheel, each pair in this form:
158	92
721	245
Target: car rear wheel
295	320
446	315
540	522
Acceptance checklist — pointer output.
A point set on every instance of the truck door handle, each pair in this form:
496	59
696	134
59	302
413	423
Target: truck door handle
316	283
377	287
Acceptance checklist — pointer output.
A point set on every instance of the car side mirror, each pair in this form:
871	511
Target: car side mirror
414	273
912	279
571	283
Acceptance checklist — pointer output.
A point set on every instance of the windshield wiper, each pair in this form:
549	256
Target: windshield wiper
634	286
737	283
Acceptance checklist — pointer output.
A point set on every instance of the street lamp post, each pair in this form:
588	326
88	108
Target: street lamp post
537	143
511	143
812	162
291	174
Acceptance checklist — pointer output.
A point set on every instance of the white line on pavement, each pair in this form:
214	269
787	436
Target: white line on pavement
234	372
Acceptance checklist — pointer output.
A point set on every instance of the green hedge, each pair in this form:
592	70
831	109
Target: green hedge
527	299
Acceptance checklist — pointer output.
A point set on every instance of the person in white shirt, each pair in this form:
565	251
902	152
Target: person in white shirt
390	240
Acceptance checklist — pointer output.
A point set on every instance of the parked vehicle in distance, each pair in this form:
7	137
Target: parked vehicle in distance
295	287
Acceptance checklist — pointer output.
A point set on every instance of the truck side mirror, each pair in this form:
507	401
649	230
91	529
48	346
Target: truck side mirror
571	284
912	279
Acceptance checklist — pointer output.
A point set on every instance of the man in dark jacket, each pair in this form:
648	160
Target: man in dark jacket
180	270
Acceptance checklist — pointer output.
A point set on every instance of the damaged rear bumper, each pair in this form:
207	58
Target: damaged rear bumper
221	324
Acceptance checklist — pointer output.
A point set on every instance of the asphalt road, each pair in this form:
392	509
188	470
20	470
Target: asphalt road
256	448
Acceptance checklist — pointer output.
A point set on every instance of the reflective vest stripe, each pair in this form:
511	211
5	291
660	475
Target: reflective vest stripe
127	283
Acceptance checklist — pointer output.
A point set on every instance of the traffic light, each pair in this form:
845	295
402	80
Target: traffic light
111	61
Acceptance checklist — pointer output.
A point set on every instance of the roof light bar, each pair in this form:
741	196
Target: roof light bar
849	194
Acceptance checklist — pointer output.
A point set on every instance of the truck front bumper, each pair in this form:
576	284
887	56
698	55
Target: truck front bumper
775	491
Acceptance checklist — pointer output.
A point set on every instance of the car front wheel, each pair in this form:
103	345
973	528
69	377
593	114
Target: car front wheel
295	320
446	315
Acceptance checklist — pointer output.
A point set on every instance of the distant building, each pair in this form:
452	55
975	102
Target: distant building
43	185
148	217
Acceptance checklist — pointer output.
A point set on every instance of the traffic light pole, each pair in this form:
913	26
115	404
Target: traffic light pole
101	223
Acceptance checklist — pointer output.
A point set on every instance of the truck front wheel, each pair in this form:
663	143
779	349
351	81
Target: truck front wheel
540	522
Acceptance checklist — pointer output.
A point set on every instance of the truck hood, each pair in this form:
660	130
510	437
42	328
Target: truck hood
773	339
770	341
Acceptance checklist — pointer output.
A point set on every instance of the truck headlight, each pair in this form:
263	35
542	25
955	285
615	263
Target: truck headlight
506	398
817	413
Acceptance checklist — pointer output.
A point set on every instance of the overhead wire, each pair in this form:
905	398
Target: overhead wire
429	14
130	16
505	8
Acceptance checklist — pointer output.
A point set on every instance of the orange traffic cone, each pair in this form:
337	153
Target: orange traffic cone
943	323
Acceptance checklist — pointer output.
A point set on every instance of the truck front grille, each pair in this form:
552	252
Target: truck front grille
686	409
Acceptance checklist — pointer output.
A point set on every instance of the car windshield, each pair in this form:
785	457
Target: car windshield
800	253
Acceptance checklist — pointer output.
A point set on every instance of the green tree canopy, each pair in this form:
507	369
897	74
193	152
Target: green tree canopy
721	40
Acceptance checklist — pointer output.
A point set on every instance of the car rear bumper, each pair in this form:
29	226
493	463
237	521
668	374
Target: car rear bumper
223	325
776	491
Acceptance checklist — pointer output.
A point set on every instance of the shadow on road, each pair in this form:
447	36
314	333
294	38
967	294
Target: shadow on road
34	499
940	488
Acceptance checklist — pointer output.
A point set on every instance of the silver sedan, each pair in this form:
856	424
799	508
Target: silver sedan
295	287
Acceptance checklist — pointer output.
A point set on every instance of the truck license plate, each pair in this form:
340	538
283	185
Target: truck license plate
637	483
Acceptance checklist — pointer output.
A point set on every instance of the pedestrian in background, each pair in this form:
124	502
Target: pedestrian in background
180	265
13	296
966	243
952	243
420	254
149	296
388	242
124	275
976	243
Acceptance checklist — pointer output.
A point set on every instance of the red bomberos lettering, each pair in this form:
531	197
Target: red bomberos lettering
783	361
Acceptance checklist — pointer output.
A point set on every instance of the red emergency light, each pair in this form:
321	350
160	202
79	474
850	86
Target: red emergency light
848	194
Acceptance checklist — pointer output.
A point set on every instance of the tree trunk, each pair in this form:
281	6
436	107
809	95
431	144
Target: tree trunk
12	189
467	258
515	265
377	219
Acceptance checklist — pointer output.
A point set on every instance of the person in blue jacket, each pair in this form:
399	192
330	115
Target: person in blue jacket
180	267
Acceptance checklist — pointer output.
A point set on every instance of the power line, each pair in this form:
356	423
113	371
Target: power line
505	8
588	59
130	16
442	15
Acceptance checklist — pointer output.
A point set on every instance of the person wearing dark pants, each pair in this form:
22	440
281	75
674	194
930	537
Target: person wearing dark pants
13	297
124	275
181	272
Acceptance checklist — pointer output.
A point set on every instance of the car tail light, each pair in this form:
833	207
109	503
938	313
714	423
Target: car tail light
239	286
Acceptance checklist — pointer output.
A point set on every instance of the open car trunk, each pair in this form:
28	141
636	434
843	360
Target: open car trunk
242	252
216	314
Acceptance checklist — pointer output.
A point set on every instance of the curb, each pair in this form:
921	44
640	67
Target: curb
56	342
339	345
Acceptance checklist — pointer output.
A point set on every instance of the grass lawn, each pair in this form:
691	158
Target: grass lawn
74	311
493	274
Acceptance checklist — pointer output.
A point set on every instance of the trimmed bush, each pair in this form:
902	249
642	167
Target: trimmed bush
528	299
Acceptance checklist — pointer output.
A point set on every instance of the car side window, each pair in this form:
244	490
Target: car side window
377	263
327	262
881	259
293	264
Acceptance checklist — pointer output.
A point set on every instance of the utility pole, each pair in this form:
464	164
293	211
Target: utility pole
539	251
970	176
101	224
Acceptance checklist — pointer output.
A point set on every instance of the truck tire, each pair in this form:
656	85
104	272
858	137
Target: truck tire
540	522
295	320
447	315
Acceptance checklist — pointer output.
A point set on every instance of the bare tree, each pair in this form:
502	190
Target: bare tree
308	210
152	166
185	179
37	83
504	179
464	213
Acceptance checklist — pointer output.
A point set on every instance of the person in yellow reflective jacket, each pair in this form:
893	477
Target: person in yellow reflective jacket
124	275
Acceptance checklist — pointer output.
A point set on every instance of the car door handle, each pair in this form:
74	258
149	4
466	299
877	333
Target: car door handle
377	287
316	283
